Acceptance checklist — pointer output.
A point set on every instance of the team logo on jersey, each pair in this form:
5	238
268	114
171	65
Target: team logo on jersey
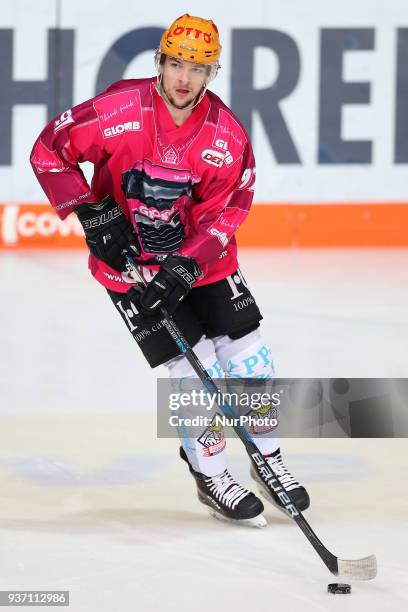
212	439
64	119
215	158
170	155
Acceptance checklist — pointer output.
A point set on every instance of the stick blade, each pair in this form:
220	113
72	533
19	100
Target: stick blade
358	569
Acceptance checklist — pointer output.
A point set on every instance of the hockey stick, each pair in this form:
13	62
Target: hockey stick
357	569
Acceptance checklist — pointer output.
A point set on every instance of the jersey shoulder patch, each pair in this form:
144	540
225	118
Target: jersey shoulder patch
119	111
229	137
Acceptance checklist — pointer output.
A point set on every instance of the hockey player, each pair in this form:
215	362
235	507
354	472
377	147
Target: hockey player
173	180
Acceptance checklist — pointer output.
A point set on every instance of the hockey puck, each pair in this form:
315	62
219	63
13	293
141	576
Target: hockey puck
338	587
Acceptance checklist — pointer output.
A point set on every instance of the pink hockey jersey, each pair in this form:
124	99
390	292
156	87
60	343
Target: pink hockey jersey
186	189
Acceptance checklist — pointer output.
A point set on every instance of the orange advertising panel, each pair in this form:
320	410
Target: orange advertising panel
37	226
326	225
268	225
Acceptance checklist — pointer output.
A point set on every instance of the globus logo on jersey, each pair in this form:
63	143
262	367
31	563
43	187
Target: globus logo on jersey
215	158
222	144
117	130
222	236
31	225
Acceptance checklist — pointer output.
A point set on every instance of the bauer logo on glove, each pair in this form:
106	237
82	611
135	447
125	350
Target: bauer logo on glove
171	284
107	231
185	275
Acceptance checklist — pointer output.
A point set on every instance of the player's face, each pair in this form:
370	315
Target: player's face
182	81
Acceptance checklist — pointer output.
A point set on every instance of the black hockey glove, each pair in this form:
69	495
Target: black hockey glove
171	284
107	231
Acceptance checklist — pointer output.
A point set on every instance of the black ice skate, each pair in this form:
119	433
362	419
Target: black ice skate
293	488
226	499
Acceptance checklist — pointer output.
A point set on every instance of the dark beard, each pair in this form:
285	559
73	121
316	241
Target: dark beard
178	106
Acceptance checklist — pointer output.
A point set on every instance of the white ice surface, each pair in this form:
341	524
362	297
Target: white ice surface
94	503
335	313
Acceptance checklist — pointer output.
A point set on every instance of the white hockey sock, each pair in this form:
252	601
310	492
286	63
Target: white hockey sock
249	357
204	446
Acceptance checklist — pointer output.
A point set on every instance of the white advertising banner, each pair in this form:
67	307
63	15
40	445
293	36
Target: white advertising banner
322	87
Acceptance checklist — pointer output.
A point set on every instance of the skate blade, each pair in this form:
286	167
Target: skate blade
257	521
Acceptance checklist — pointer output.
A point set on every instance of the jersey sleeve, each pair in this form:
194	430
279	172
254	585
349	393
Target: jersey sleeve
222	207
72	138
